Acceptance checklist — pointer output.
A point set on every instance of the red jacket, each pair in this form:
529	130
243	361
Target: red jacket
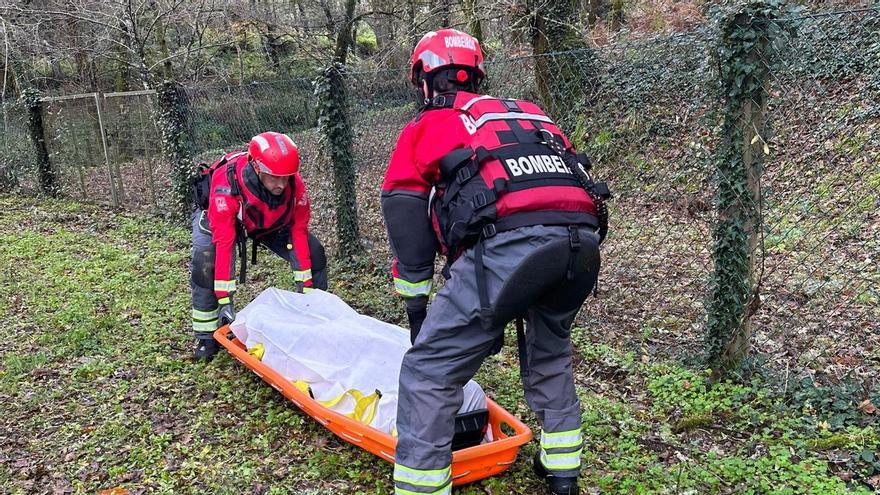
473	121
260	214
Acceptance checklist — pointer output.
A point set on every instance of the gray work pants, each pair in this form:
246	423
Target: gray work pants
204	302
453	343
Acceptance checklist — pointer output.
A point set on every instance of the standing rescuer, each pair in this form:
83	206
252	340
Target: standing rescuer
500	187
255	194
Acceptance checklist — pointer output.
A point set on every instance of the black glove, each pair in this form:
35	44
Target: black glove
226	314
416	311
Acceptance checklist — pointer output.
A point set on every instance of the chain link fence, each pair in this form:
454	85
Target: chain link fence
820	310
79	150
648	113
16	167
222	117
639	118
133	147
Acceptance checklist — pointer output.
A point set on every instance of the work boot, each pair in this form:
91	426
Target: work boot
206	349
558	485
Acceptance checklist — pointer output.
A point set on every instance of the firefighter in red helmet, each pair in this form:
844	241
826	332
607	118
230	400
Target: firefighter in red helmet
255	194
500	190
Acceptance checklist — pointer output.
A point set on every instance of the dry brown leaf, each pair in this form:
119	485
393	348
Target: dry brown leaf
116	490
867	407
846	360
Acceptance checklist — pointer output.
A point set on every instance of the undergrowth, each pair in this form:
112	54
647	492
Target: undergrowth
98	391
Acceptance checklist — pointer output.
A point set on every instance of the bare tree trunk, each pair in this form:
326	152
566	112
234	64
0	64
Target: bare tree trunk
475	28
85	77
616	14
240	62
143	68
593	7
411	23
343	35
382	25
561	80
3	91
389	41
124	58
57	73
167	72
445	13
272	46
10	80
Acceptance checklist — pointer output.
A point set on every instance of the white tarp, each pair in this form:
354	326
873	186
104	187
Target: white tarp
318	339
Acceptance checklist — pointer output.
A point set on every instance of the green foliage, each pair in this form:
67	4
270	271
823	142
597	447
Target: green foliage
670	440
366	42
746	58
337	136
686	394
45	175
834	51
176	145
778	471
96	311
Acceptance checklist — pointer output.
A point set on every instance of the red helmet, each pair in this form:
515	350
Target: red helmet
445	48
274	153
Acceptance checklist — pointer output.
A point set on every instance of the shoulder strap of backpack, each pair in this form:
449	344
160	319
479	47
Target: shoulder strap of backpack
232	178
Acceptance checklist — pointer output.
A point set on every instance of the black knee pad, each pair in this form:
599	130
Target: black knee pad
317	254
203	266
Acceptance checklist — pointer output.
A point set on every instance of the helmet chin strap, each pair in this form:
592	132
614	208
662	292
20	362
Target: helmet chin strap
428	88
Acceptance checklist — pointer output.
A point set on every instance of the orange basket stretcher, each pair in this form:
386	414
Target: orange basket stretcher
468	465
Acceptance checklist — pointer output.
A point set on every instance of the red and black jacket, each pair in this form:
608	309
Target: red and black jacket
260	214
474	162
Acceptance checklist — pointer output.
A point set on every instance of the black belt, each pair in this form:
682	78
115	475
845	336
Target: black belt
547	218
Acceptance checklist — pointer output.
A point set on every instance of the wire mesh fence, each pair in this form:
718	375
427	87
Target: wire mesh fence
223	117
16	167
134	147
638	115
647	112
821	309
77	145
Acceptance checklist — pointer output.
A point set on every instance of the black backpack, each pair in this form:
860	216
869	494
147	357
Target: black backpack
201	181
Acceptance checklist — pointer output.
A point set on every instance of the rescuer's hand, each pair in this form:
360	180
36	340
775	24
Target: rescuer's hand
226	314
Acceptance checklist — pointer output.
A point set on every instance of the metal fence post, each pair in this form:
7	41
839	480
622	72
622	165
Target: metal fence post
114	192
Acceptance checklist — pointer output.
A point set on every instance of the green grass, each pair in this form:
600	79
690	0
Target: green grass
98	392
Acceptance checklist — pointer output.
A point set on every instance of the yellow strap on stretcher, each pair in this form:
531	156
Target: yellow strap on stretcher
257	351
364	408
